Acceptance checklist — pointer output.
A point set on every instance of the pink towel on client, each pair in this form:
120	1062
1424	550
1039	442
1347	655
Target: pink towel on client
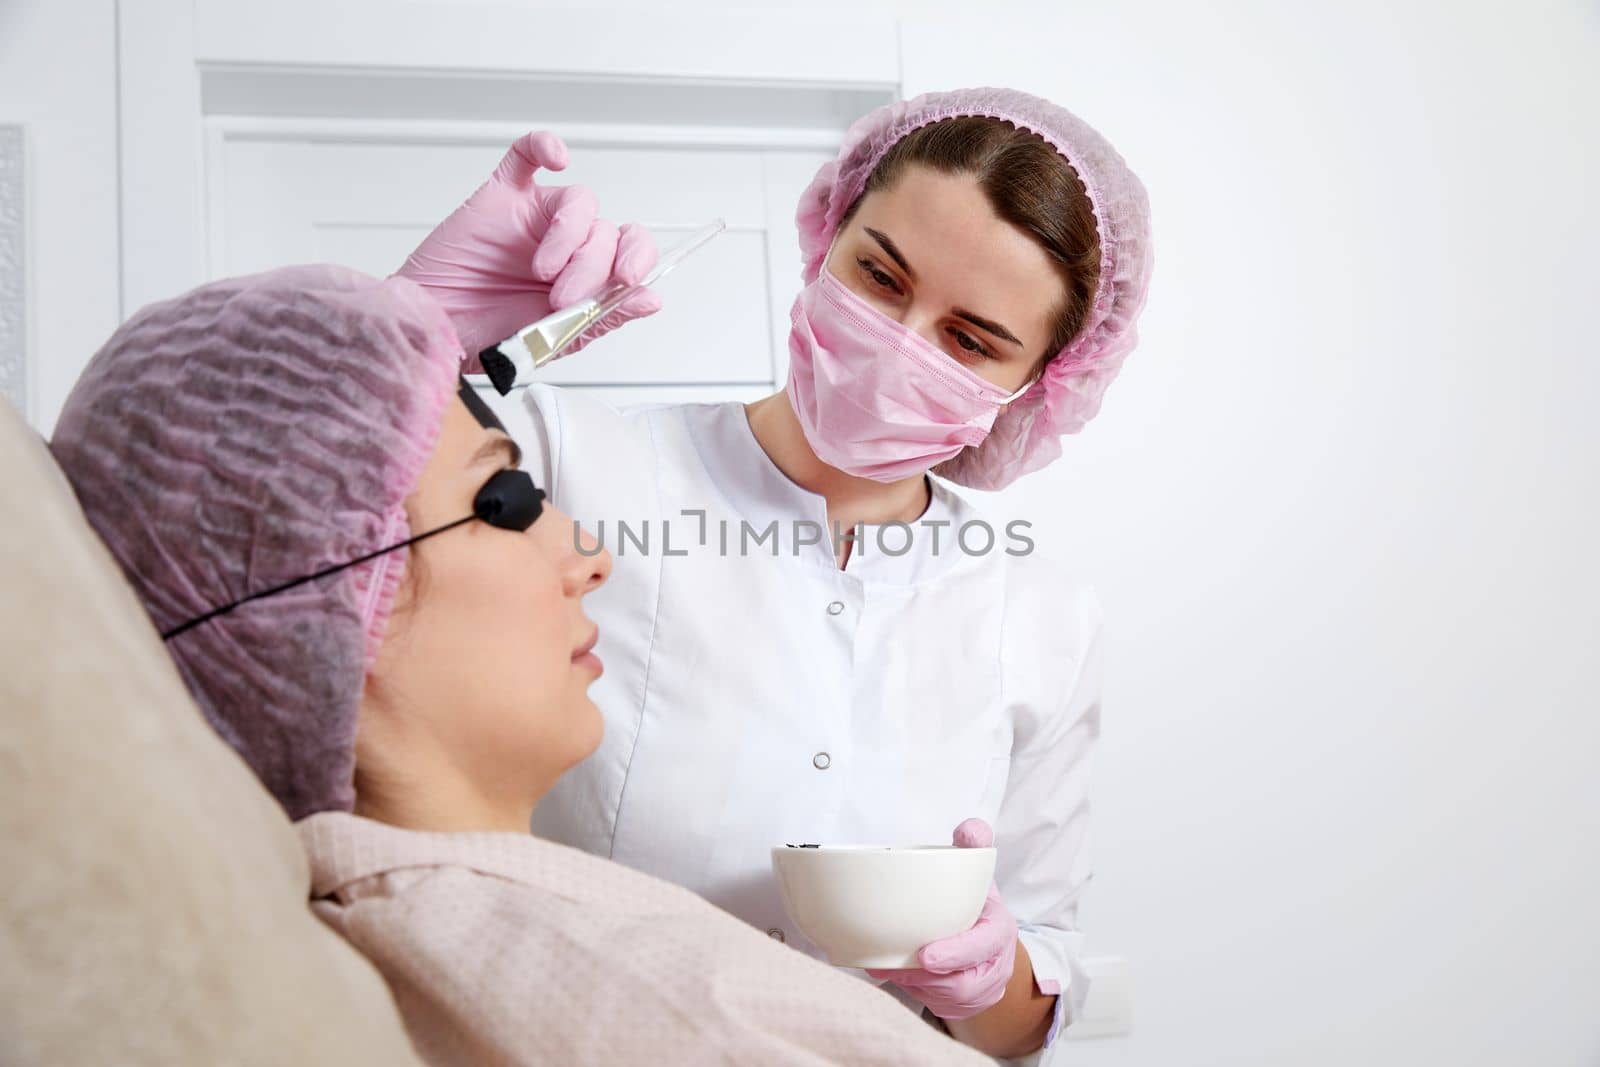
504	948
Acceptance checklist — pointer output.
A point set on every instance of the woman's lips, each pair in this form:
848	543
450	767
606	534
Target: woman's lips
584	655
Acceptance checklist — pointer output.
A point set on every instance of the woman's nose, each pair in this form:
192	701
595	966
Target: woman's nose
588	569
924	322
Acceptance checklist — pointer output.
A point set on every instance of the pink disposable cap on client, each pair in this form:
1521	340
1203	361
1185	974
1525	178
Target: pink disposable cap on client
239	438
1026	436
508	500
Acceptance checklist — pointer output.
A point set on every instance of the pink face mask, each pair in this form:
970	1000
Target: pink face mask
874	398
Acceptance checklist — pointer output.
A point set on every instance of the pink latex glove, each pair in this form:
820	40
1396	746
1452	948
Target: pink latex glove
517	250
965	974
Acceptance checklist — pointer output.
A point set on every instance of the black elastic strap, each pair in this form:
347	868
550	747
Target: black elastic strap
508	501
214	612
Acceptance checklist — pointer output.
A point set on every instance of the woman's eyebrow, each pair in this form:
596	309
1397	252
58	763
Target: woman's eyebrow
498	446
986	324
894	253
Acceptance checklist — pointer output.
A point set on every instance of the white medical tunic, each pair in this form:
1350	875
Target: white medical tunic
755	694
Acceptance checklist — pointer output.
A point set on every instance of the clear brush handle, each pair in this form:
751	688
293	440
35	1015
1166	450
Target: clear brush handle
512	363
670	259
546	345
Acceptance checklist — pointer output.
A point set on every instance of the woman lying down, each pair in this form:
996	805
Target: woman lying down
250	452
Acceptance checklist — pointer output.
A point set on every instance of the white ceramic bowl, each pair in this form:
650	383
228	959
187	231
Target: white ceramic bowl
869	906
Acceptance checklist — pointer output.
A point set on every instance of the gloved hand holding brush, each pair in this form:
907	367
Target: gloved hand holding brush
517	250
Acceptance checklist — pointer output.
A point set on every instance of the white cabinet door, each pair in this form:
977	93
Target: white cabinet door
256	137
366	205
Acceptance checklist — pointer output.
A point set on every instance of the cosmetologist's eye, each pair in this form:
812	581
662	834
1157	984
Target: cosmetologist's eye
878	277
970	344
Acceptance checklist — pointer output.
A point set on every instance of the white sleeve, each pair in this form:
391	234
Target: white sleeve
1042	831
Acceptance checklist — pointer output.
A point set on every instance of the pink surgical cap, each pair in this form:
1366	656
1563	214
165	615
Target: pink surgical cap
1027	435
247	433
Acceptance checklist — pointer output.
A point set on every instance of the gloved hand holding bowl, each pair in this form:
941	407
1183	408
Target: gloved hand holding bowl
929	919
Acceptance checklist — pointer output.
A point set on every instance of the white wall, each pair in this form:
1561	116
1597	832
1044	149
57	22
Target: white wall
1341	506
58	80
1343	511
